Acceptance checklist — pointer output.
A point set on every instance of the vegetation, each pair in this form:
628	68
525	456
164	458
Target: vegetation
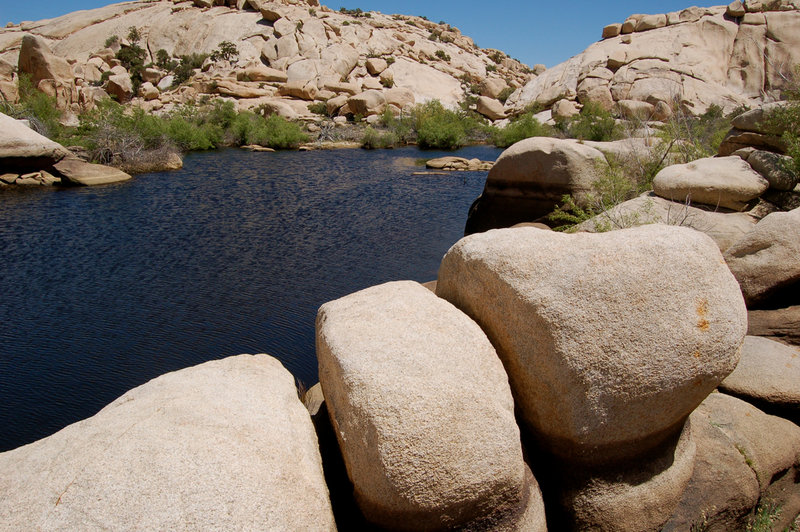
132	57
441	54
225	51
185	69
787	119
437	127
357	12
520	127
378	139
693	137
766	513
36	107
593	123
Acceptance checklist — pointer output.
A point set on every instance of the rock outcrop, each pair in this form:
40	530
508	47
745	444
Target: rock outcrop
694	58
577	337
278	42
423	413
220	446
529	179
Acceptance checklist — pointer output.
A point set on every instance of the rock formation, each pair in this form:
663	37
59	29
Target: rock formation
288	51
696	58
223	445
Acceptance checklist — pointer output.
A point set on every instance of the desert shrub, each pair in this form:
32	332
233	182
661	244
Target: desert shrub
374	139
491	68
390	60
225	51
441	54
164	61
387	82
497	57
437	127
185	69
134	35
521	127
787	119
695	137
767	512
505	94
593	123
318	108
284	134
36	107
132	58
111	41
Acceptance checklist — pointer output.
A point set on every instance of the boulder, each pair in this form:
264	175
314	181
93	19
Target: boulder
737	139
578	320
371	102
490	108
340	87
23	149
727	182
36	59
78	172
735	9
242	90
651	22
776	169
152	75
768	373
423	413
757	120
304	90
399	97
765	261
493	87
769	444
529	179
724	228
639	496
261	73
636	109
564	109
120	86
723	489
148	91
611	30
224	445
376	65
782	325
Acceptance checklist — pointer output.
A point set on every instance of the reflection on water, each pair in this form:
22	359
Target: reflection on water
105	288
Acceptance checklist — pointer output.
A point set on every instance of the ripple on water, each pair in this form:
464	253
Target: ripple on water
106	288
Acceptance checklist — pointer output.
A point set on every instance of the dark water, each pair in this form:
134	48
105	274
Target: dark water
104	288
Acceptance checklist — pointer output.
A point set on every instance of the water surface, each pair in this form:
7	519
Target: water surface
105	288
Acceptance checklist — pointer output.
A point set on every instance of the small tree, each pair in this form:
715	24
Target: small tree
133	35
226	51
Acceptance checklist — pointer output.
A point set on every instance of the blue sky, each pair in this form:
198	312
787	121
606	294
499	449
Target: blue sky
533	32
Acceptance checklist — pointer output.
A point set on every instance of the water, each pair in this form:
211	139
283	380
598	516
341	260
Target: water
105	288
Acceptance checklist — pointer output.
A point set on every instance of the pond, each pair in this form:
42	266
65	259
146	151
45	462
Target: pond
106	288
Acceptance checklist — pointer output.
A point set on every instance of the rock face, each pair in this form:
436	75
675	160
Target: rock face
277	41
23	149
423	413
223	445
727	182
608	352
695	58
768	372
77	172
529	179
765	261
36	59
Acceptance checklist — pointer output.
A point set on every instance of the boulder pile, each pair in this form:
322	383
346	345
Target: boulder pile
551	381
288	57
730	56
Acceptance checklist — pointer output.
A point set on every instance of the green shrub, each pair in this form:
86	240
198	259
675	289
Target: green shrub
441	54
134	36
505	94
185	69
111	41
695	137
378	139
522	127
132	58
318	108
593	123
38	108
437	127
491	68
225	51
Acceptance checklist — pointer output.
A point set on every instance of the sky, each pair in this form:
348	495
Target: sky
532	31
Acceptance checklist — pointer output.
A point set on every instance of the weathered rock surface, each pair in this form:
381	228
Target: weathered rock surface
529	179
78	172
724	228
776	169
423	413
36	59
23	149
765	261
490	108
459	164
727	182
782	325
768	372
607	346
220	446
696	57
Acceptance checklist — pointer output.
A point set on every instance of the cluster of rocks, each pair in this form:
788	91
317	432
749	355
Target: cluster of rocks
459	164
551	381
28	158
739	55
290	55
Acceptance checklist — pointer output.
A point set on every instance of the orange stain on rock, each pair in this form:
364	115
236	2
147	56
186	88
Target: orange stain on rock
702	312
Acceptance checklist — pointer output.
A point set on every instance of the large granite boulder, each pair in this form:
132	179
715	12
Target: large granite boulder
725	228
529	179
610	340
768	373
727	182
765	261
78	172
775	168
423	413
36	59
220	446
22	149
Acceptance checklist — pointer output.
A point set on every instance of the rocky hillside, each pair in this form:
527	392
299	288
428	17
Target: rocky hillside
289	54
742	54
